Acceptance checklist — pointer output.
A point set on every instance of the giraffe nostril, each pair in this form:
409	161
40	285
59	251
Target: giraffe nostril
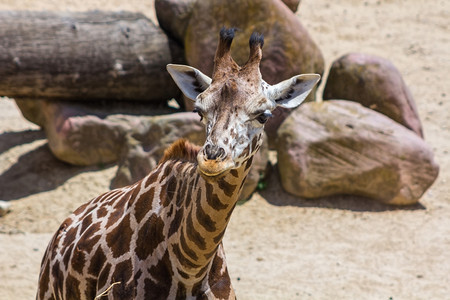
221	153
207	150
213	152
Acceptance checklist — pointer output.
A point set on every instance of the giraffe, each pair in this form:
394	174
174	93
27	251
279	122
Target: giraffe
161	238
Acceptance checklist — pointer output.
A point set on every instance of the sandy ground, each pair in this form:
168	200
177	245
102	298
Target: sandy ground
278	246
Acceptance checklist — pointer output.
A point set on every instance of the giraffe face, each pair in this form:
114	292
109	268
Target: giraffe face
234	115
235	103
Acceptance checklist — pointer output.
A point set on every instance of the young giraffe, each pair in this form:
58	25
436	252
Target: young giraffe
161	238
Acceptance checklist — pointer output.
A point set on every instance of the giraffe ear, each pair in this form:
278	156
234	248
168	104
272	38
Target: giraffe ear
292	92
191	81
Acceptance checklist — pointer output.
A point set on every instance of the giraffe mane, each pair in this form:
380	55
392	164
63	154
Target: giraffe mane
181	149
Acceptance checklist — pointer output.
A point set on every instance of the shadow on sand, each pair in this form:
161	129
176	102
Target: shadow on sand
35	171
275	195
9	140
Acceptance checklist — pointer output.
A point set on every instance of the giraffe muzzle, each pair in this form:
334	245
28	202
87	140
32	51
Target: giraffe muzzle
213	152
214	164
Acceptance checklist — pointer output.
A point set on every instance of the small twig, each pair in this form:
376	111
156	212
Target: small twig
105	293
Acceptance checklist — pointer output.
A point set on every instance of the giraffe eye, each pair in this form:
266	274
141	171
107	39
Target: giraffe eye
199	112
262	118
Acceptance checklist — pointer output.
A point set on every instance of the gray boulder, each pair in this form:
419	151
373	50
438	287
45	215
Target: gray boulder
340	147
375	83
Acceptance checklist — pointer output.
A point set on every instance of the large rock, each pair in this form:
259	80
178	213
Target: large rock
174	15
87	134
288	49
340	147
375	83
145	147
32	110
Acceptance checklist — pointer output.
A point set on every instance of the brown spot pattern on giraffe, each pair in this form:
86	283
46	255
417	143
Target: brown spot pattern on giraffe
186	249
103	276
162	274
176	222
227	188
181	291
67	255
184	261
122	273
143	204
149	237
72	288
78	260
119	239
193	234
234	173
45	280
90	237
220	284
91	288
212	199
170	190
57	273
97	262
69	236
204	219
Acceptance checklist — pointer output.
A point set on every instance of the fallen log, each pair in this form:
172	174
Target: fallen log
91	55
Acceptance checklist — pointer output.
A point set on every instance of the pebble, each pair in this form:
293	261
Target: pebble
5	207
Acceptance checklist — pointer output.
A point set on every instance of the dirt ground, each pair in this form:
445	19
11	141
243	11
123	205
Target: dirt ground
278	246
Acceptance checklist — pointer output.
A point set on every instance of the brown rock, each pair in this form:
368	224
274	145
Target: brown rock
82	134
173	16
288	48
375	83
340	147
31	110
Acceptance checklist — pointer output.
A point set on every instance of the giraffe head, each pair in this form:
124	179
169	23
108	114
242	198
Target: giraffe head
236	103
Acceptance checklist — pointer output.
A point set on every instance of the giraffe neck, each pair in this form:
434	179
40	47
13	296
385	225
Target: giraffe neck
201	223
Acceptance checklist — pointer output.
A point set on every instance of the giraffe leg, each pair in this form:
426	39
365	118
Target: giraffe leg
219	280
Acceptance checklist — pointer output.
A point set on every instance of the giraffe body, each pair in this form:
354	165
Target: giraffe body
131	235
161	238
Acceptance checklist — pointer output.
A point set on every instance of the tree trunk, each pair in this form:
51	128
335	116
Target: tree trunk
91	55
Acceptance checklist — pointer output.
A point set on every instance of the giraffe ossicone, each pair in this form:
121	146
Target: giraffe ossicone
161	238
